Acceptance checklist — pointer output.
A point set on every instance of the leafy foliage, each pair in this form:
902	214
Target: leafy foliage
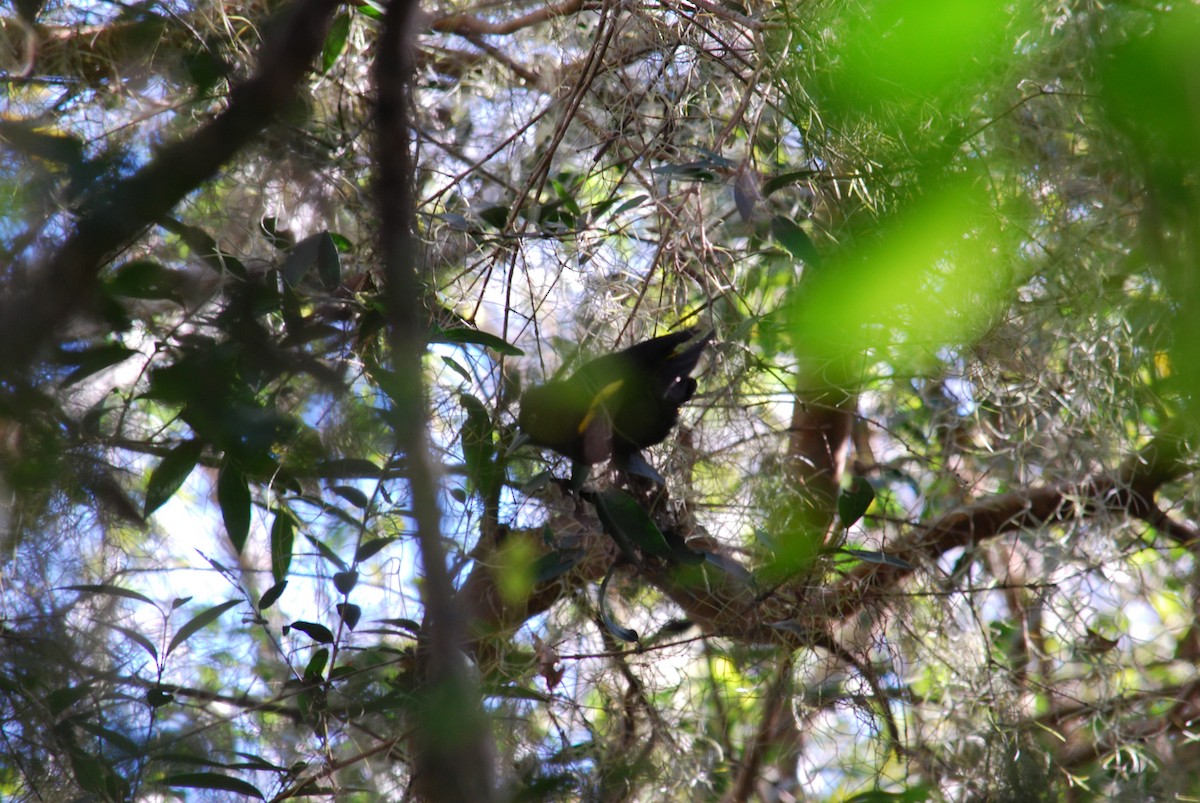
928	525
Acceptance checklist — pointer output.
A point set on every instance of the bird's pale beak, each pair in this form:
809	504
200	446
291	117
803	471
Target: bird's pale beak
522	439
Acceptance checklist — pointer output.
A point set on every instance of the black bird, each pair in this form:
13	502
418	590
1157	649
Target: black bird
616	405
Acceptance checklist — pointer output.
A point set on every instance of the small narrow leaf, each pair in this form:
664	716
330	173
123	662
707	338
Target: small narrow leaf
283	536
369	549
352	495
623	633
345	582
327	553
788	234
350	613
233	495
318	633
854	501
170	474
625	521
406	624
104	588
271	595
198	622
93	360
136	637
316	664
555	564
335	41
329	261
475	337
872	556
213	780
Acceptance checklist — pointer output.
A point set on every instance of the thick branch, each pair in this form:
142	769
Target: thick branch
453	750
36	309
1130	491
467	25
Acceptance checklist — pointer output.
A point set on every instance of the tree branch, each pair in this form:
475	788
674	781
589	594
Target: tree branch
452	744
467	25
37	307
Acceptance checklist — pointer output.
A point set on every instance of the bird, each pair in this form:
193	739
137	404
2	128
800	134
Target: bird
616	405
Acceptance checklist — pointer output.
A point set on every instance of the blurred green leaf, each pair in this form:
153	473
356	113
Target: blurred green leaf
199	621
475	337
271	595
935	277
171	473
345	582
369	549
623	633
283	530
214	781
854	501
318	633
233	495
625	521
350	613
335	40
111	590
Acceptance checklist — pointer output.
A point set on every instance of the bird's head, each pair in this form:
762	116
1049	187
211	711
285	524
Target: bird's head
540	420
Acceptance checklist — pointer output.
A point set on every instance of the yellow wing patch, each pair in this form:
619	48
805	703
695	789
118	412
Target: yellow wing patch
606	393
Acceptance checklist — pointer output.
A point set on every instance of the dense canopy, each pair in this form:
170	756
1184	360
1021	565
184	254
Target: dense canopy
275	276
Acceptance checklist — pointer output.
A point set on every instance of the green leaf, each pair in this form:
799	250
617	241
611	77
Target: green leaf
371	9
479	448
233	495
327	553
788	234
352	495
170	474
341	242
145	279
625	521
204	246
854	501
199	621
406	624
111	590
335	41
345	582
350	613
136	638
872	556
329	261
213	780
118	740
318	633
623	633
316	664
632	203
369	549
283	536
95	775
347	467
269	225
271	595
555	564
453	365
784	179
462	336
93	360
60	700
495	216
